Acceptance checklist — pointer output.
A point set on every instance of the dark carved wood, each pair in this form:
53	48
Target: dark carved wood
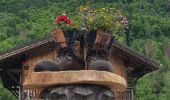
77	92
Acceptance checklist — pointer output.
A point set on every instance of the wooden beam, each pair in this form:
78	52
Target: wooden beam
46	79
12	78
15	71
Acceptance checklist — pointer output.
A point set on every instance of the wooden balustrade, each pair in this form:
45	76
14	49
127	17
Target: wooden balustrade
31	94
34	94
124	95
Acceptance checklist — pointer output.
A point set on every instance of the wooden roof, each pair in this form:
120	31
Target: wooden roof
23	48
117	47
130	55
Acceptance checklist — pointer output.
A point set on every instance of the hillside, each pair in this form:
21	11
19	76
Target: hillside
149	27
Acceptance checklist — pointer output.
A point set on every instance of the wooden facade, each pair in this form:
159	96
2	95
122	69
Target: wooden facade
41	53
126	64
46	53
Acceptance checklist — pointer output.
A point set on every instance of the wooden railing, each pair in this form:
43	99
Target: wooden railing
31	94
124	95
34	94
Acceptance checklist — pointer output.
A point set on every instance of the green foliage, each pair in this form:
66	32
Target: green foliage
5	95
154	86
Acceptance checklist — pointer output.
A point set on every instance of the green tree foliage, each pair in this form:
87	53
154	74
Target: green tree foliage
5	95
149	27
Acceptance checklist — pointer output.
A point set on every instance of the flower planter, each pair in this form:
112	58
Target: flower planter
103	37
59	37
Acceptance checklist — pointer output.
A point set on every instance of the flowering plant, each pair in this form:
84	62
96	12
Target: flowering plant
63	18
63	22
106	19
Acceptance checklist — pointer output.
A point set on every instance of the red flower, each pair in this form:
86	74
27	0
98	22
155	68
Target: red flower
63	18
68	21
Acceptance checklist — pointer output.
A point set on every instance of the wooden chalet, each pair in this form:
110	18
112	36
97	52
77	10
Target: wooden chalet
17	64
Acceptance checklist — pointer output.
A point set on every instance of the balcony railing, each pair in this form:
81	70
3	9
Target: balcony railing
124	95
33	94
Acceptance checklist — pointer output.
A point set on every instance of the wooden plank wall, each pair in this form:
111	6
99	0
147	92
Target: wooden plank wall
39	54
118	65
45	53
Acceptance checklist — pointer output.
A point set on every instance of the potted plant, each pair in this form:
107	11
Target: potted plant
101	25
102	20
61	24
